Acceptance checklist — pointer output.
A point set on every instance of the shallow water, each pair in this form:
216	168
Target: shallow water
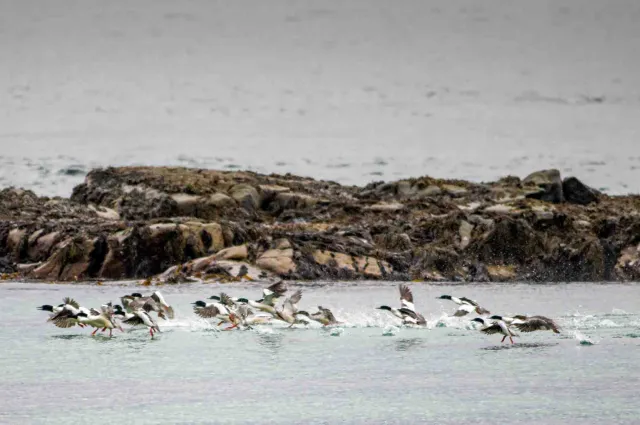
367	371
354	91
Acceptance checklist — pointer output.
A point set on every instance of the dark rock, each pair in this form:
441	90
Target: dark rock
7	265
577	192
549	184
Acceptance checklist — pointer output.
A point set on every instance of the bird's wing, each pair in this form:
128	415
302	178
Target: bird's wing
226	300
289	307
533	324
463	310
278	288
65	322
150	305
469	301
405	294
207	312
134	320
482	311
408	312
296	297
71	301
492	329
62	314
94	312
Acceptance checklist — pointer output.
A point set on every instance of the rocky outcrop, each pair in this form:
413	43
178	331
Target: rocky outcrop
181	225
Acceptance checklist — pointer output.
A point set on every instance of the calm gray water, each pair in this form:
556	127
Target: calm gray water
352	91
365	372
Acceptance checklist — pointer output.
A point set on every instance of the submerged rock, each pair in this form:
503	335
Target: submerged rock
185	225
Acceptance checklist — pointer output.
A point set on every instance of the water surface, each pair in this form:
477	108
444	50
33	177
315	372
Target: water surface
367	371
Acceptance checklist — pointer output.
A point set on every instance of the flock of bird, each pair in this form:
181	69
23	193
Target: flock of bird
243	313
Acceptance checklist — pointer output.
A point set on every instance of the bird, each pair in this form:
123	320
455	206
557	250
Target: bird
156	301
289	309
535	323
270	296
215	310
467	306
323	315
407	313
65	315
497	326
102	319
141	316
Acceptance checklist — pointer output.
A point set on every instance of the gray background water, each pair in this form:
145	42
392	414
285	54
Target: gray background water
369	373
352	91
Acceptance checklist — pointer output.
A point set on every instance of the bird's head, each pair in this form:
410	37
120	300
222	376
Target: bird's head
242	300
303	313
444	297
384	307
200	304
479	320
136	295
495	317
46	307
214	297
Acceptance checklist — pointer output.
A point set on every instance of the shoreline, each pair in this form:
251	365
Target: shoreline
168	225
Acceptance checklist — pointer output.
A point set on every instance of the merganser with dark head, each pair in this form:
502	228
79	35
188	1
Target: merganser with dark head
323	316
407	313
495	327
214	310
467	306
142	317
65	315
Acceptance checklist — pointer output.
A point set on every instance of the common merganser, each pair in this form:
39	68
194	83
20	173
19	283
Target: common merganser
65	315
323	316
289	309
407	313
535	323
272	293
270	296
497	326
99	319
155	301
467	306
214	310
142	317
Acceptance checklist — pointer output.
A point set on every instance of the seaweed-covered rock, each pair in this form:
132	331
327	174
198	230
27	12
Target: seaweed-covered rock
184	224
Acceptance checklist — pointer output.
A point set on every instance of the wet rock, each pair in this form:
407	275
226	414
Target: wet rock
628	264
502	273
465	232
137	222
7	265
277	261
511	241
233	253
577	192
246	196
549	184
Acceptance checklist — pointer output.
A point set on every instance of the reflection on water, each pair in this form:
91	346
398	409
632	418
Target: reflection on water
537	346
408	344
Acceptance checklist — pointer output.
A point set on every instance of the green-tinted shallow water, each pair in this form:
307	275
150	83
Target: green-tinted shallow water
366	372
